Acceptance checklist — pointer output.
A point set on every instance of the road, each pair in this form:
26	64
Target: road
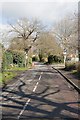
40	93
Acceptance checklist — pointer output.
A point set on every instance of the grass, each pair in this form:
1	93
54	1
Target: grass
0	78
76	73
72	67
7	75
18	68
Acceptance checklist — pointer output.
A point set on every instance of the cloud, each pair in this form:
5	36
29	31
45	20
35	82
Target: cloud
47	12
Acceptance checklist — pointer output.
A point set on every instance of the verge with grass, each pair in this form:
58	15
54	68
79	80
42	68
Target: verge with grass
0	78
9	74
76	73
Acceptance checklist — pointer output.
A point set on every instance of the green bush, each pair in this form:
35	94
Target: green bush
12	57
54	59
50	59
58	59
7	60
18	58
78	66
35	58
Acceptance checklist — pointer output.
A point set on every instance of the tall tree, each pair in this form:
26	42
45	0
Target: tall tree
47	45
26	32
66	33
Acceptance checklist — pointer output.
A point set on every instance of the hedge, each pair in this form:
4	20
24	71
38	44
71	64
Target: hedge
54	59
14	58
7	59
18	58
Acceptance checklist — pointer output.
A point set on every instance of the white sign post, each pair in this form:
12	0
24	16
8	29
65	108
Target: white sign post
26	57
64	53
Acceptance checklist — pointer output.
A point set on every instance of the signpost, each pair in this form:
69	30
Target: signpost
26	57
64	53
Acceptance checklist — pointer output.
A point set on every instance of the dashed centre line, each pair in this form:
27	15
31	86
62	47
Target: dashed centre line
29	98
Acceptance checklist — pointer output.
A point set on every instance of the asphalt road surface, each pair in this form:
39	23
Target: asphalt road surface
40	93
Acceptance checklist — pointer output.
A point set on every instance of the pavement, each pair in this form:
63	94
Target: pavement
40	93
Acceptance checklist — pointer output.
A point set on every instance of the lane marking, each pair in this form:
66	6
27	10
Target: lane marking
24	108
37	83
40	75
29	98
34	88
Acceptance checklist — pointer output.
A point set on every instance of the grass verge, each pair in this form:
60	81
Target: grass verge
7	75
18	69
76	73
0	78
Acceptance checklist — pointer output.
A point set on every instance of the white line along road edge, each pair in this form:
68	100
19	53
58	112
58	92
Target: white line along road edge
29	99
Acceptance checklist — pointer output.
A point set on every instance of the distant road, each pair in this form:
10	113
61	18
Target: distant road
39	93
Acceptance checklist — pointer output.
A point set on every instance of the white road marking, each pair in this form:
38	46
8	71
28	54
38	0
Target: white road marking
24	108
37	83
40	75
29	99
34	88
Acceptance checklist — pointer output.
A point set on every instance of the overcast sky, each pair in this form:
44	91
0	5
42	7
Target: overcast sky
47	12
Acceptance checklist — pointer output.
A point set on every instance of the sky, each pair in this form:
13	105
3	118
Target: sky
47	12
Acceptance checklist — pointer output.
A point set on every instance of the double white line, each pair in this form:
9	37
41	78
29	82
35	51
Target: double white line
29	98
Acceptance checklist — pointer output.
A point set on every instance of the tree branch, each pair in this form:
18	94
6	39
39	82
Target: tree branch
17	31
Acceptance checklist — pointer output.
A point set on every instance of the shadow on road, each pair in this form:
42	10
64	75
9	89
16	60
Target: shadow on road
42	100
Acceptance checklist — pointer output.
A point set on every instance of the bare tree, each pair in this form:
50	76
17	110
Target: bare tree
26	33
66	33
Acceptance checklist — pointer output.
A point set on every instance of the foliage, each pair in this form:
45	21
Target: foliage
9	74
7	60
54	59
76	73
18	58
47	45
58	59
6	76
78	66
41	57
50	59
66	31
70	66
0	77
12	58
27	33
15	68
35	58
